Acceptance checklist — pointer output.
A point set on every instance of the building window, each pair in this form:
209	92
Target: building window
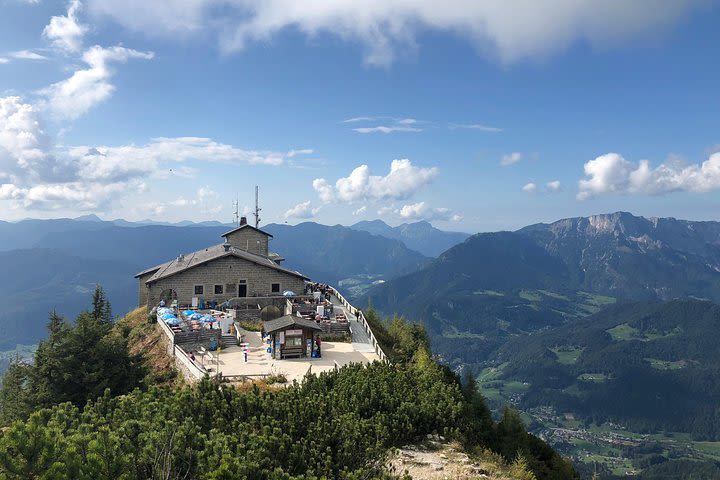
275	288
218	289
199	289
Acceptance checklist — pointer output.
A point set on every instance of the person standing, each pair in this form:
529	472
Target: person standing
317	344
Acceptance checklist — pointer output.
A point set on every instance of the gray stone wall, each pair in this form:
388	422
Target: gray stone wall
142	289
249	240
226	271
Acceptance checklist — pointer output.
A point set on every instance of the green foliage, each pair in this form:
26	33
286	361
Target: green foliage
74	364
647	366
399	339
101	310
339	424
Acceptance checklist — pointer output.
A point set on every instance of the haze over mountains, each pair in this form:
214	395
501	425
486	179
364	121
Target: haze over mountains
55	263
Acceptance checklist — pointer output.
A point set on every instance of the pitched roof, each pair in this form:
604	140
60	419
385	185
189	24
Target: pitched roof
245	226
288	321
192	260
150	270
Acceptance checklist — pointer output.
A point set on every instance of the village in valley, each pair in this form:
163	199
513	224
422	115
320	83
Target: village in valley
234	313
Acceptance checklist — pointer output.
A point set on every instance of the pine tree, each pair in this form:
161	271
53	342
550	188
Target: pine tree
101	305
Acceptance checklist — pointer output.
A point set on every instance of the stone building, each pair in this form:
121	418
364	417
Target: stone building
241	267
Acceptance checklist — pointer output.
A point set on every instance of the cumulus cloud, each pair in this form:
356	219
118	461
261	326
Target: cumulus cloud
24	144
74	96
36	173
613	174
510	159
302	210
360	211
3	60
554	186
509	31
403	180
66	32
129	161
422	211
529	188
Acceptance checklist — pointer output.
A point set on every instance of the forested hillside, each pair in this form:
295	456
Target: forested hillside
651	367
336	425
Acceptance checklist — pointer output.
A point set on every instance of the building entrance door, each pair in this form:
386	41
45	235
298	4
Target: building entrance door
242	290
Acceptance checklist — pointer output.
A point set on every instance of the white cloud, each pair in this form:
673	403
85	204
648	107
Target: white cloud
302	210
403	180
478	126
422	211
511	158
128	161
611	173
37	174
358	119
3	60
304	151
382	211
554	186
384	129
24	145
360	211
74	96
509	31
529	188
27	55
66	32
407	121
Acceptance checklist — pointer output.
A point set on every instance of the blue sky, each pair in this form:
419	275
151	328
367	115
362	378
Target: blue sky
476	116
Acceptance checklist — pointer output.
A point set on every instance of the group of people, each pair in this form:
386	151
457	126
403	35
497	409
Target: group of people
323	288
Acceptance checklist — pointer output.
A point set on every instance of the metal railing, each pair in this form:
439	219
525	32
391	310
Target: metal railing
353	310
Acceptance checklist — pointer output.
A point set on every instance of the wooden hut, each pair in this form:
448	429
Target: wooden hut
292	336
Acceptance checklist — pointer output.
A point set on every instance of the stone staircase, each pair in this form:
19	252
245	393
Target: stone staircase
228	340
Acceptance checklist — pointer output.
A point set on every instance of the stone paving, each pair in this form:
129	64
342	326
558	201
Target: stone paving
231	361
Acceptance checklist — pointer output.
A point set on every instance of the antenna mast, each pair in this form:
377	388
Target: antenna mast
257	208
236	213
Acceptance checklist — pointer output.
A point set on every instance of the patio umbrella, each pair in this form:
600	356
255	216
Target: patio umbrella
188	312
172	321
288	293
195	316
167	316
208	319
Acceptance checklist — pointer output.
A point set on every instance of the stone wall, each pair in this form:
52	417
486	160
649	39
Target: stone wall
226	271
143	289
249	240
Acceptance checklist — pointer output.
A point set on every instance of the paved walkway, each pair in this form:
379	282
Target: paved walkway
259	362
360	339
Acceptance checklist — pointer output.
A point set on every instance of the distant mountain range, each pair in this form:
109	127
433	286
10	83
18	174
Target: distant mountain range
495	286
56	263
419	236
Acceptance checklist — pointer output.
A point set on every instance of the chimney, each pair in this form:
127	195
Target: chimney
226	246
243	221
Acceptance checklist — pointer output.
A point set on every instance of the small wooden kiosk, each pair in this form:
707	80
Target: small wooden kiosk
292	336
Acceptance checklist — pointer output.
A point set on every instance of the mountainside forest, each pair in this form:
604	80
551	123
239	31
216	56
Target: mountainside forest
116	422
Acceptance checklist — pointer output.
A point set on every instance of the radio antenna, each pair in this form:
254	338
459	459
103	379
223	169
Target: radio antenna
257	207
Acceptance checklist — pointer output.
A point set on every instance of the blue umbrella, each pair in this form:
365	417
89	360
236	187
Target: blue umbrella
172	321
208	319
288	293
189	312
195	316
167	316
